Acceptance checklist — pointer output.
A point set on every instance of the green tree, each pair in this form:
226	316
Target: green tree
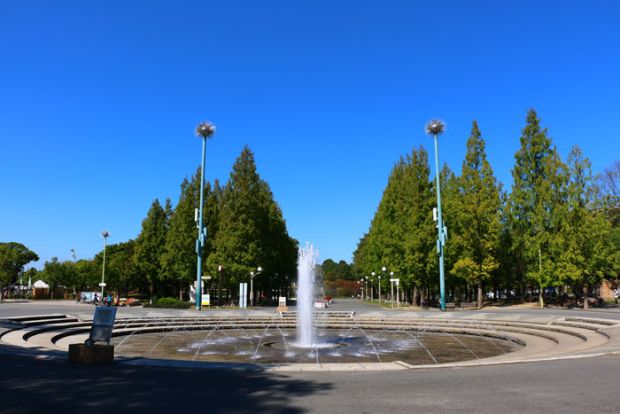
588	252
251	230
535	205
179	257
13	257
150	246
334	271
479	227
121	273
58	274
401	232
87	274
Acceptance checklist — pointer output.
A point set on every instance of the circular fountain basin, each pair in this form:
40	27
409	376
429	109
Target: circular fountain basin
332	345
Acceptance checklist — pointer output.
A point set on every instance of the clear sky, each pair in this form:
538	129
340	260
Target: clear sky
99	101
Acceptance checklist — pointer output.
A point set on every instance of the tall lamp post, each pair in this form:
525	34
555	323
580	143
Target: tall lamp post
105	234
436	127
252	276
204	130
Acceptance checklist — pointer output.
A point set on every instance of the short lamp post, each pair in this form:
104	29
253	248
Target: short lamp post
259	270
373	274
205	130
361	282
435	128
384	271
105	234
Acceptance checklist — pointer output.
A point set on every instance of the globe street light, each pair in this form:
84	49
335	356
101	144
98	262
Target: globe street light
383	269
361	282
204	130
105	234
436	127
252	276
373	274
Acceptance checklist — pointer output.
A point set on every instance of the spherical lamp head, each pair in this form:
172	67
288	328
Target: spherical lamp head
105	234
260	269
384	268
435	127
205	129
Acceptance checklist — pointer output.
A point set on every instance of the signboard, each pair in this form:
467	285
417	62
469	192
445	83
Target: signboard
206	300
103	322
397	281
282	301
102	284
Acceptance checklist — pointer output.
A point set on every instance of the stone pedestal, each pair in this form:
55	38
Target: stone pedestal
93	354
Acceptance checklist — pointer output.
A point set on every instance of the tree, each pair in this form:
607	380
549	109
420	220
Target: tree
13	257
335	271
535	205
150	245
179	257
478	232
56	273
87	274
251	230
121	273
401	232
587	252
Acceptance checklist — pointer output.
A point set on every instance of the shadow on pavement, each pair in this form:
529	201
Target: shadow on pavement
28	385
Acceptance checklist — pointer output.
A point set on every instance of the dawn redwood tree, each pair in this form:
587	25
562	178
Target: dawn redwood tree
588	252
401	232
451	201
251	230
150	245
535	205
178	259
478	216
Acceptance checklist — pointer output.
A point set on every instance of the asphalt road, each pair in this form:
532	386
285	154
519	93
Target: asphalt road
30	385
584	385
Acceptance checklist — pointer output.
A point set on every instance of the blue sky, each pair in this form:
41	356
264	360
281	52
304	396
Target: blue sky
99	100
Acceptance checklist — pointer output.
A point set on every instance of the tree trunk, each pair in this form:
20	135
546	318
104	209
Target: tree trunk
541	299
415	295
479	304
586	305
151	289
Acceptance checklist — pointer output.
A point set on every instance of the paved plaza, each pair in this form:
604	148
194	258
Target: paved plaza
33	380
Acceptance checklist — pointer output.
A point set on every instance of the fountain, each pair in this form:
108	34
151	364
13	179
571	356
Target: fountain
273	340
306	263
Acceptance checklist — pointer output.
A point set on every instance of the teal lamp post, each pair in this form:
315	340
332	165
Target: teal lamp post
436	127
105	234
204	130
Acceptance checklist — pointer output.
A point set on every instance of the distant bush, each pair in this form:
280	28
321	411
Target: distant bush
170	303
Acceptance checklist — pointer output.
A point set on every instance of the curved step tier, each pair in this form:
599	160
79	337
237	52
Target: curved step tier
540	338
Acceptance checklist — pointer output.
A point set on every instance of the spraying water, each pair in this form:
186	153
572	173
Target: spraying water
306	263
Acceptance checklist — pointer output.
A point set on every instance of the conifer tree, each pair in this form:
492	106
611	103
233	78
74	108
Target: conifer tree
400	235
478	215
150	245
251	230
451	204
587	252
535	205
179	257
